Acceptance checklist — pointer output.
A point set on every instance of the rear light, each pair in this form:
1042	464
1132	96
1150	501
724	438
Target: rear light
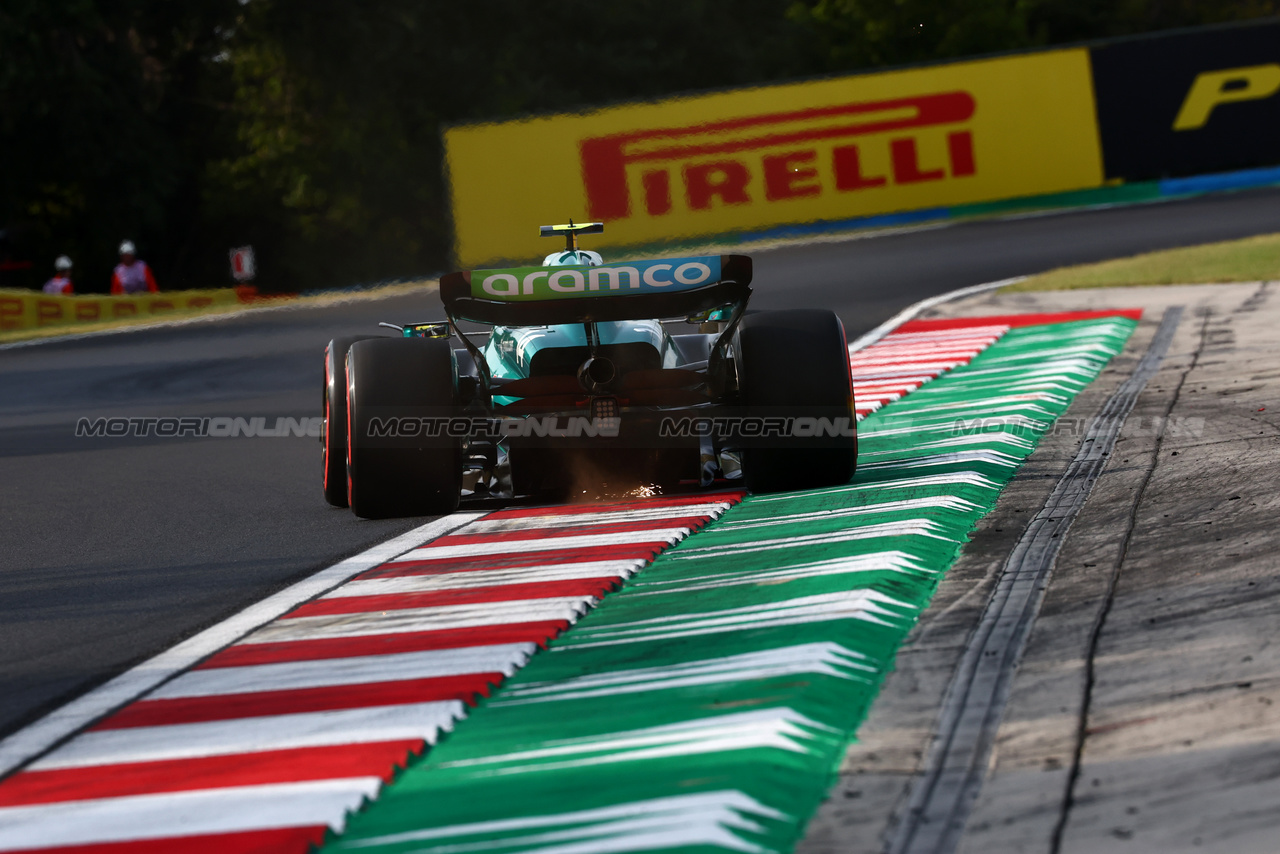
605	412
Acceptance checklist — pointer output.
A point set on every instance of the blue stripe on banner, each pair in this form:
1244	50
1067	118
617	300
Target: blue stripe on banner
1222	181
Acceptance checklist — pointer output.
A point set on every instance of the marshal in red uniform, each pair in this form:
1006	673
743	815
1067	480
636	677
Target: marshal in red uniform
60	284
132	275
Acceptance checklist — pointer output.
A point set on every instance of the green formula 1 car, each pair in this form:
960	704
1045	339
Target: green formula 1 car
580	378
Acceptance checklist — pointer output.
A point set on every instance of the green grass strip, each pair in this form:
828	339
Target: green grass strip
706	706
1250	259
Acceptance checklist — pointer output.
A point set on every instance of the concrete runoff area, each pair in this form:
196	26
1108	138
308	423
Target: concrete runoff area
1142	716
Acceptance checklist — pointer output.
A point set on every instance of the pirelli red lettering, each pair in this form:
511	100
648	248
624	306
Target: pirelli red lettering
818	153
721	162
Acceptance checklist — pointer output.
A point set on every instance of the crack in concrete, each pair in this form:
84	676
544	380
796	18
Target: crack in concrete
973	708
1095	634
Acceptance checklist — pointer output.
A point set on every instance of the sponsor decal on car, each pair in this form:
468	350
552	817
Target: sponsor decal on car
635	277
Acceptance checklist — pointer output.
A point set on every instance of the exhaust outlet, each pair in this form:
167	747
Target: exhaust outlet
597	375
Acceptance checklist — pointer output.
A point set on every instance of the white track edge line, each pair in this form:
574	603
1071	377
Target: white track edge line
37	738
908	313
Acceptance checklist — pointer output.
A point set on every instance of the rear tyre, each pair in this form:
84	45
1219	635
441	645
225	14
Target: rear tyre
407	476
333	429
795	364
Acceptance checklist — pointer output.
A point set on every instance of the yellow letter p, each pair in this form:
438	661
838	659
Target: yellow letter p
1212	88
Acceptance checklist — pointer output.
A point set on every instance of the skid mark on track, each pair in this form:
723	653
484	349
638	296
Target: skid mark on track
1100	623
973	708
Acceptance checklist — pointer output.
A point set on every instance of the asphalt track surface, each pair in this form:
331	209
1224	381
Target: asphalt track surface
114	549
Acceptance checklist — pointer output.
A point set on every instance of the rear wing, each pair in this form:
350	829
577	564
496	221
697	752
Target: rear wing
540	296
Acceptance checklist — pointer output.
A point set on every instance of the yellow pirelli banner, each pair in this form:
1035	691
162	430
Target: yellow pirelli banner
747	160
21	309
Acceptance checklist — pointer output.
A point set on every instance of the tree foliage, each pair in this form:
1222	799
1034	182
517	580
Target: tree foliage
311	128
106	122
856	34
